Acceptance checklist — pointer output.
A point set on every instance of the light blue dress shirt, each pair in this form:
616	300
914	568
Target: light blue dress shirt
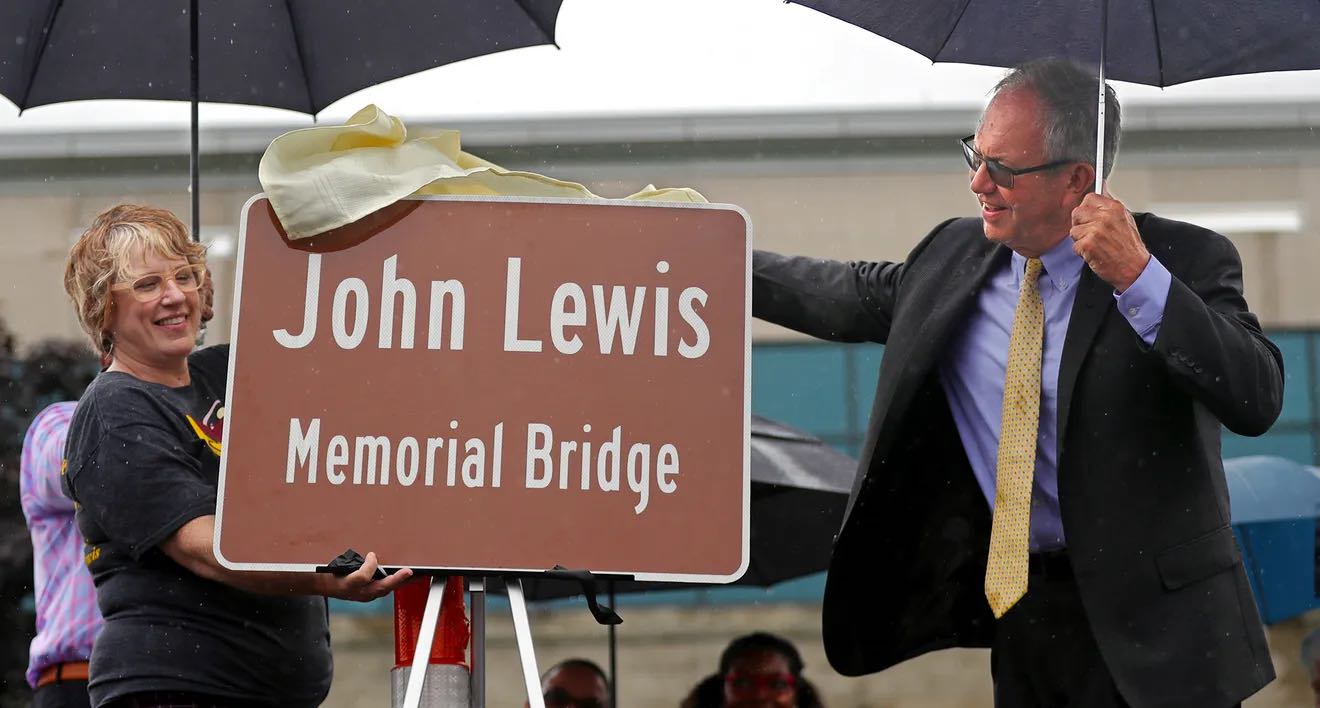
972	370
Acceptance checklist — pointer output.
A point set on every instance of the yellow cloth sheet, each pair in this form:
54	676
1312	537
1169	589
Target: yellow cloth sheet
325	177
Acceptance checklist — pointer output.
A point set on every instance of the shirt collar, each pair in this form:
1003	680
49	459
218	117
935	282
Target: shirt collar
1063	267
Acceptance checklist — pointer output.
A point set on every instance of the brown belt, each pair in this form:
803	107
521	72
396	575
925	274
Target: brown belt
67	671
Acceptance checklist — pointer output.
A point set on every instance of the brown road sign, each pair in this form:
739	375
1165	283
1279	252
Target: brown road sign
492	384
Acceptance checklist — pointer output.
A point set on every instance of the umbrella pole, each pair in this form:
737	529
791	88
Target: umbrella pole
614	652
194	173
1100	109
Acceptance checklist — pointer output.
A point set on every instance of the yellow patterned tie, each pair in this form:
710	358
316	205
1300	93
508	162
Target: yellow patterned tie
1006	568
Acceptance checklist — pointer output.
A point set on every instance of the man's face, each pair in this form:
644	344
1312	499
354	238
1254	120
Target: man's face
575	686
1036	212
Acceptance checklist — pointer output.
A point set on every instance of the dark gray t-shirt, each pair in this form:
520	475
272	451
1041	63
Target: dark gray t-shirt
143	459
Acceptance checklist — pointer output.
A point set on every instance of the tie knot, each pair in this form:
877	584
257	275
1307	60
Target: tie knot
1032	274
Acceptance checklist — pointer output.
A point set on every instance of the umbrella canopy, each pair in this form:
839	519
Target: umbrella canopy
296	54
1152	42
1266	488
799	490
1275	504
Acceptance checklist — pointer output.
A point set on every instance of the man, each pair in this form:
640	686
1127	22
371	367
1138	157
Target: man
67	617
1107	574
575	683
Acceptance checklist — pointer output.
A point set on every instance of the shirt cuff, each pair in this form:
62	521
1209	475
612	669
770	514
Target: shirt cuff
1143	303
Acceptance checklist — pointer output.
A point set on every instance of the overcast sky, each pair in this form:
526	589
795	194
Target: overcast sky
640	56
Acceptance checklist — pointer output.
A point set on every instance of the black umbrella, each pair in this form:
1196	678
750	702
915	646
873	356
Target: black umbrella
297	54
799	490
1152	42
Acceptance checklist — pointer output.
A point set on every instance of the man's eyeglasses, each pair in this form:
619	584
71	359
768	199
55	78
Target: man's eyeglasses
999	173
746	684
561	698
148	287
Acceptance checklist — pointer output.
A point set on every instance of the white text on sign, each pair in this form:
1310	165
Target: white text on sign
616	312
602	464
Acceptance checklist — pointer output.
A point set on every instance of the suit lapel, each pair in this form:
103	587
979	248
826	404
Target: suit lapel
944	311
939	304
1094	299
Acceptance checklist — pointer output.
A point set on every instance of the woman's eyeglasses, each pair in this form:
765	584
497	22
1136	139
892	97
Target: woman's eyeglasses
999	173
151	286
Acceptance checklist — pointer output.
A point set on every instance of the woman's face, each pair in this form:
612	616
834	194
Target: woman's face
154	316
760	679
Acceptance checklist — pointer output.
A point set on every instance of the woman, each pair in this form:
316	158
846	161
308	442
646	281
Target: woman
763	671
142	463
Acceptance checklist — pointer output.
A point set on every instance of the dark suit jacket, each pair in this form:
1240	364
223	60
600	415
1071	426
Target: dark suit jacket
1141	483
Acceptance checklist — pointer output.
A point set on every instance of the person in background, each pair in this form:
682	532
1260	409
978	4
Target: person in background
575	683
143	464
762	670
67	618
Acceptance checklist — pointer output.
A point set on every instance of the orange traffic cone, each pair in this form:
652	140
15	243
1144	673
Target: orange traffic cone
447	680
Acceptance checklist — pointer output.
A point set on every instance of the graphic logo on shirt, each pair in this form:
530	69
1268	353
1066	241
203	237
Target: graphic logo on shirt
212	428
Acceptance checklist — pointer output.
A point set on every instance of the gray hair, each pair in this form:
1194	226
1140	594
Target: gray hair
1068	93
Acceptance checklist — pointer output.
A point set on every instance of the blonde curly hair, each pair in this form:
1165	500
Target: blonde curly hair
104	253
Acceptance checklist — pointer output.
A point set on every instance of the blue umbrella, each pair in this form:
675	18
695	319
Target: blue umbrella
1153	42
1275	505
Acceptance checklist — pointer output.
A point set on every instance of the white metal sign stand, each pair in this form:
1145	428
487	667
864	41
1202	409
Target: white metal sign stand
477	586
521	627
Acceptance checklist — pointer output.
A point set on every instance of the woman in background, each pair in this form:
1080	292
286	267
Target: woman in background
759	670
